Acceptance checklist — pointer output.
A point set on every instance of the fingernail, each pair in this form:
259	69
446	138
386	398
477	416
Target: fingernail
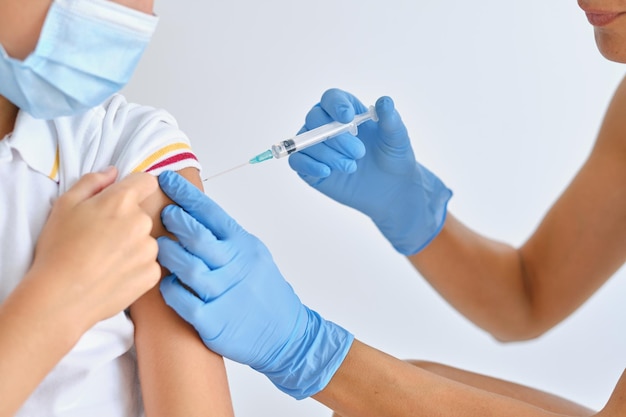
108	169
385	103
343	113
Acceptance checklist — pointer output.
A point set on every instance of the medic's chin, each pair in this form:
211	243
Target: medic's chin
611	45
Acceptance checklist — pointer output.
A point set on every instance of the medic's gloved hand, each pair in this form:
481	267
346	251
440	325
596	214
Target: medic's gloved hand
405	200
225	283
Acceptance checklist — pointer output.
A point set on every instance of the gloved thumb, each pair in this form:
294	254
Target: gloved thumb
391	129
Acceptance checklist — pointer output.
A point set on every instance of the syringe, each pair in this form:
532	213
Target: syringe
314	136
308	138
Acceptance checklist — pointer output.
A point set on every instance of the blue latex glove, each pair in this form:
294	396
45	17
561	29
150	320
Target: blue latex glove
225	283
375	172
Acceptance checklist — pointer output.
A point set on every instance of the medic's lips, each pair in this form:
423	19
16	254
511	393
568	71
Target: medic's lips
600	19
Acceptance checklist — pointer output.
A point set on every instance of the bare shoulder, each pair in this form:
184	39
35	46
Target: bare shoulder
606	166
156	202
612	135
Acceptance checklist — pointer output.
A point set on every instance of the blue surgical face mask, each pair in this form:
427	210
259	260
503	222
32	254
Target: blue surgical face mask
87	51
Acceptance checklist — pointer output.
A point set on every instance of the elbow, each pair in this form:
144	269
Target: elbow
528	331
526	319
507	338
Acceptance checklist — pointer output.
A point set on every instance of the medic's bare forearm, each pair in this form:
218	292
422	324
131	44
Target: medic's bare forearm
483	279
370	383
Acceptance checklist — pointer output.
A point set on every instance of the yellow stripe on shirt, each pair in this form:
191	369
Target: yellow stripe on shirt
55	166
159	154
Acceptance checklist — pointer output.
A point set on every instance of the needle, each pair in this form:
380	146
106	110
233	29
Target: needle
225	172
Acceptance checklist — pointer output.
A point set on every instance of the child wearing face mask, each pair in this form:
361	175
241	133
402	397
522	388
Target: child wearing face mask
78	247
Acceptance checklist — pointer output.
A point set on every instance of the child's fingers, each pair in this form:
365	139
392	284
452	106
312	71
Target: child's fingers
88	186
137	187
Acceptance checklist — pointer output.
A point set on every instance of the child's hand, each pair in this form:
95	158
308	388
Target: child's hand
95	252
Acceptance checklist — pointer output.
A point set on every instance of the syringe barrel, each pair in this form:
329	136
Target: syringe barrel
283	148
311	137
320	134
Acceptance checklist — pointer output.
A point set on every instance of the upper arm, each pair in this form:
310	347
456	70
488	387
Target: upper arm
581	241
179	375
518	294
154	204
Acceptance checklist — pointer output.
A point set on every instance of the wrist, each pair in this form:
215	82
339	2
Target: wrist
416	214
311	358
40	304
35	338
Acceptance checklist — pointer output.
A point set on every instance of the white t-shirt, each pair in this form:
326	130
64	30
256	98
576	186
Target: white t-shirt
41	160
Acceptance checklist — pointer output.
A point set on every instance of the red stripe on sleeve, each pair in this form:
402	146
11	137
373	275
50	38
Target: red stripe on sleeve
172	160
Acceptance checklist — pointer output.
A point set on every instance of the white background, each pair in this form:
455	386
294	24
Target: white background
503	100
